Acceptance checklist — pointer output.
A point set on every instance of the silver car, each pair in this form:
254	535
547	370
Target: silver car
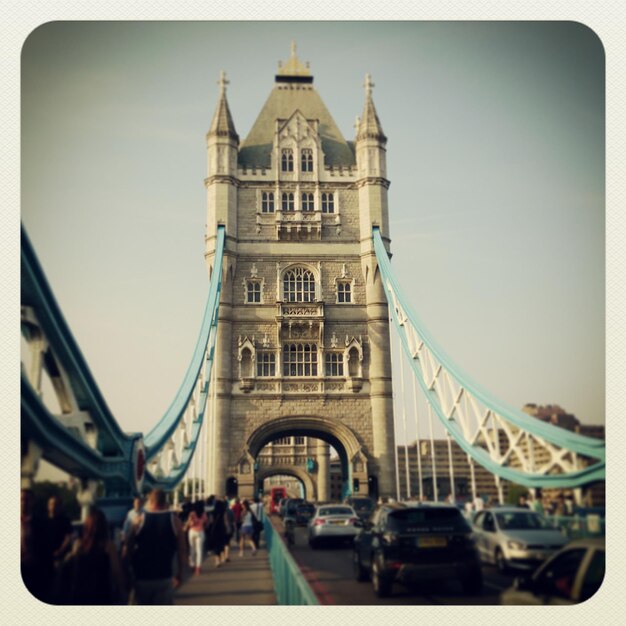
513	537
332	521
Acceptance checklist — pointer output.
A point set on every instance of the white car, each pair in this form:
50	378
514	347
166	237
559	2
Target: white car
572	575
332	521
512	537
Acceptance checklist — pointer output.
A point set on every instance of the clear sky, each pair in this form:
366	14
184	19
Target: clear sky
495	156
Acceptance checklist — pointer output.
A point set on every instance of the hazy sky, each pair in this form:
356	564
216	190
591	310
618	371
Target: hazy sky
496	162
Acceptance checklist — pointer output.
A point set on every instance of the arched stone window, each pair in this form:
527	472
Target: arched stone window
286	162
299	285
328	203
287	202
307	160
353	363
308	203
267	202
300	359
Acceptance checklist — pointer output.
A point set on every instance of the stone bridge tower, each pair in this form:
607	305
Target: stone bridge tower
303	340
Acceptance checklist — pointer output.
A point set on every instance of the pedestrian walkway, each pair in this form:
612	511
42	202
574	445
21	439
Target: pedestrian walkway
243	580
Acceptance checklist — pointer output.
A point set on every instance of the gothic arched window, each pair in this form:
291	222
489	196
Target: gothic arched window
328	203
306	160
299	285
307	202
286	162
267	202
287	202
300	359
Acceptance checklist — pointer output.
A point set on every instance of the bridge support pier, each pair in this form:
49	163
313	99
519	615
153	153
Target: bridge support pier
323	471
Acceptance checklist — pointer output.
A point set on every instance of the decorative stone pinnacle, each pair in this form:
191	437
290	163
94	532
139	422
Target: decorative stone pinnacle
222	82
293	48
368	85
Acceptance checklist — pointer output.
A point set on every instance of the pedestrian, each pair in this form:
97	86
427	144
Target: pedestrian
131	517
156	536
246	529
57	533
536	503
92	574
237	508
229	521
32	547
196	524
479	503
257	521
521	502
216	530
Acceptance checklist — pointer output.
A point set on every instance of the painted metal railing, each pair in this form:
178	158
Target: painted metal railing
290	586
507	442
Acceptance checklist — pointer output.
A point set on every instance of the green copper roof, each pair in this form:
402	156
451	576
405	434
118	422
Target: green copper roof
283	101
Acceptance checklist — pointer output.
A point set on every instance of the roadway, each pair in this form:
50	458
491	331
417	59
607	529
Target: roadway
328	570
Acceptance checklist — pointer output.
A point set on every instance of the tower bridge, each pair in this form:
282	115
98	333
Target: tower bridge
295	340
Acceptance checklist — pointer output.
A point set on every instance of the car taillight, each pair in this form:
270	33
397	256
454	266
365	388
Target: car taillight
319	522
353	520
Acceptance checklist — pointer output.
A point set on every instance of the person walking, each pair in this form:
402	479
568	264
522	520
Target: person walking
257	521
229	521
246	529
131	518
216	531
93	574
237	508
196	523
156	536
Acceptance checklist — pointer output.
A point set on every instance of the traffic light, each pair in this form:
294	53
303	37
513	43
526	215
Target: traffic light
355	485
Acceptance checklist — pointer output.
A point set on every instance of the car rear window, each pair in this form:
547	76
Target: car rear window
336	510
427	519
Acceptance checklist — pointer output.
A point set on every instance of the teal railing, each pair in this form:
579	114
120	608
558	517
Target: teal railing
579	526
290	586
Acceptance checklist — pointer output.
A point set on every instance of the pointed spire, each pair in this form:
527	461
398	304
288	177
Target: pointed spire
369	125
222	124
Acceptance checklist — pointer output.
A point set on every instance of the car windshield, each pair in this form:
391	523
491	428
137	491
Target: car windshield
363	505
335	510
425	519
520	520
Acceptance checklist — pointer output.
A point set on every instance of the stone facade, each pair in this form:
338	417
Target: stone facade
303	334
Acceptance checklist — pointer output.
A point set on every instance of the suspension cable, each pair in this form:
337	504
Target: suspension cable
393	397
432	453
406	445
417	440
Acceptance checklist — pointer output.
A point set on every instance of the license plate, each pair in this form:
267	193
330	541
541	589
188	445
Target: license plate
432	542
337	521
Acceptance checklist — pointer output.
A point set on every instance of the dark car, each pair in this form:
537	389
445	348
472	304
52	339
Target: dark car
362	505
409	544
289	510
304	512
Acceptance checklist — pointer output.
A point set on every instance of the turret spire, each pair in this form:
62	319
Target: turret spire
370	125
222	124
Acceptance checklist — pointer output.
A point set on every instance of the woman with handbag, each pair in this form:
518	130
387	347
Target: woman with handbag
247	529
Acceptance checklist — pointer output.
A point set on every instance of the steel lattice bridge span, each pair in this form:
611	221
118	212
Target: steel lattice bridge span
79	435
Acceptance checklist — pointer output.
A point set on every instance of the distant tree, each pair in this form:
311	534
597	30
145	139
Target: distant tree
515	491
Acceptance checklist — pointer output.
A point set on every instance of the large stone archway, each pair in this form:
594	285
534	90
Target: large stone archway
354	461
305	478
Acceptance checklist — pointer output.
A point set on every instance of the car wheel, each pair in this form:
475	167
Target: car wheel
500	561
473	583
380	579
360	573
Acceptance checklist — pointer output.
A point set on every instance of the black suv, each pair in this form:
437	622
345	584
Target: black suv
412	543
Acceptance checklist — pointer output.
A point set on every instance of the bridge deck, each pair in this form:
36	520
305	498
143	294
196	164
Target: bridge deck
244	580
